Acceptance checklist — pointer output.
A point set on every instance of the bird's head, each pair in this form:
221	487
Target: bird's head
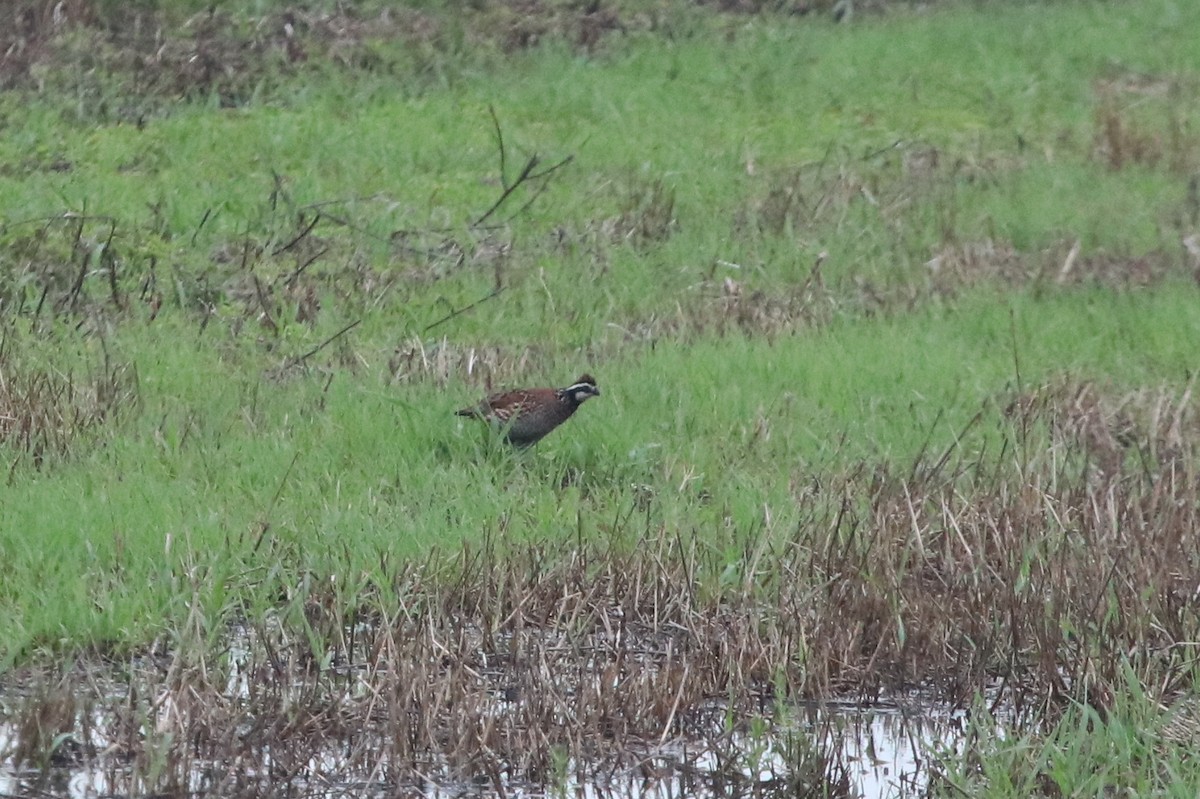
582	389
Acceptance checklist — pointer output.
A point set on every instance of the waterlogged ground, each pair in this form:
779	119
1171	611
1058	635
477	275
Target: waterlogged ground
877	751
889	746
891	491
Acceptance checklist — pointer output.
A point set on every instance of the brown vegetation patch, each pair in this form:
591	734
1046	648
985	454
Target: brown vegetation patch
1113	433
275	285
842	187
522	24
47	414
1142	120
726	305
795	200
230	55
957	265
961	265
645	217
759	311
84	44
841	10
442	361
1048	561
86	267
211	53
736	307
510	671
725	308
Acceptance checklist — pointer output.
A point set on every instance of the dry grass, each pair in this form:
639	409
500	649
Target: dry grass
958	266
1047	552
441	361
47	415
1061	553
229	56
1141	120
797	201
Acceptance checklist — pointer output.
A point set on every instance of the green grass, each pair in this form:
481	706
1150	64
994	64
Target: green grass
96	547
340	463
1083	753
790	251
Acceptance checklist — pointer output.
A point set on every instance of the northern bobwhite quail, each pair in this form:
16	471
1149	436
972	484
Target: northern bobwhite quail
527	415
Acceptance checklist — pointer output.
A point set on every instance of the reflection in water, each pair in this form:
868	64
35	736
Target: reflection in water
875	751
887	746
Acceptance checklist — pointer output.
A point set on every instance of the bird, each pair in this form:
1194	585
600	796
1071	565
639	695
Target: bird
527	415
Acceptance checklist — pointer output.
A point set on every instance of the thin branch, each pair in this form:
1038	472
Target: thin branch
541	189
69	216
897	144
527	174
299	236
264	303
299	270
110	262
265	524
542	186
508	190
203	221
500	144
319	204
84	261
301	359
494	293
550	169
362	231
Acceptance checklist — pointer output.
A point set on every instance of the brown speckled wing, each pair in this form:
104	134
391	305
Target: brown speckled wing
505	405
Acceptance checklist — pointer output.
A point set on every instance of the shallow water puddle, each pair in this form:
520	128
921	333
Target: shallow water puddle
887	748
876	751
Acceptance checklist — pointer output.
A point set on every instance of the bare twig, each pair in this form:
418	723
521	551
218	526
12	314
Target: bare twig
298	237
528	173
110	262
460	311
84	261
299	270
265	524
296	361
500	146
208	213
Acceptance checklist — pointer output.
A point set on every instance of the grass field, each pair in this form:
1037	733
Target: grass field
896	325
